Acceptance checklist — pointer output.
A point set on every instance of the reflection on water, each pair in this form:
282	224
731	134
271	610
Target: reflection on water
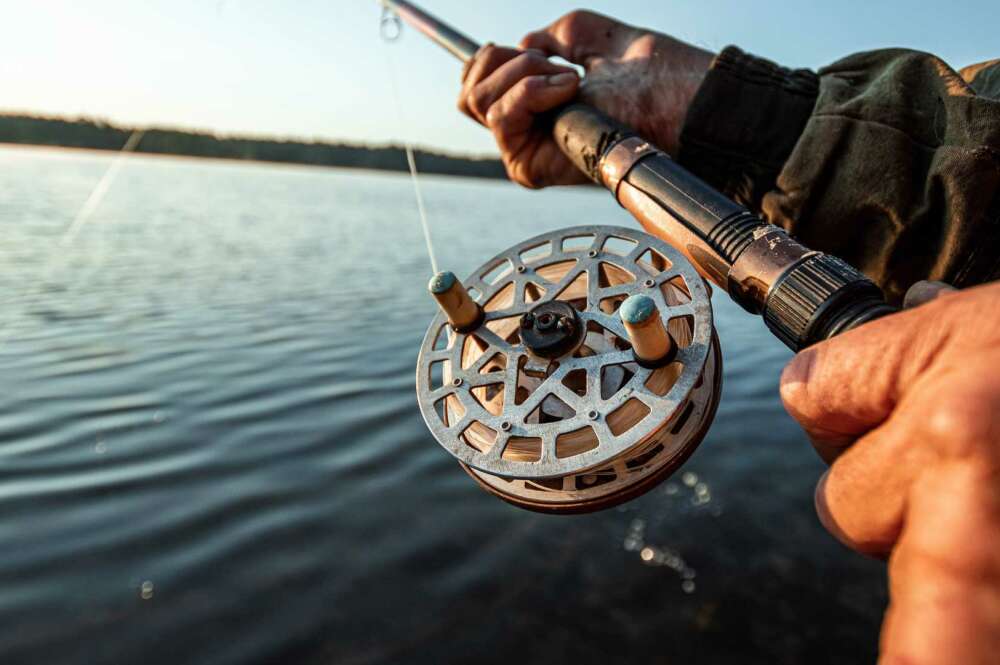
690	496
210	450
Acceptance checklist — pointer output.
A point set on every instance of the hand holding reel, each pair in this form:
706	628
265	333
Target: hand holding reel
583	373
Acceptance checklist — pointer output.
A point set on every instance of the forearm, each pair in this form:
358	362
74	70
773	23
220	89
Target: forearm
888	159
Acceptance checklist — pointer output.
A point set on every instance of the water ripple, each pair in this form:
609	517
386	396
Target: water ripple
210	450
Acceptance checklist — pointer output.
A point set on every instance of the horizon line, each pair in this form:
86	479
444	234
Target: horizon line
223	135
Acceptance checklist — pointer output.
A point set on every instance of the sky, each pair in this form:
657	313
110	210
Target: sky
319	70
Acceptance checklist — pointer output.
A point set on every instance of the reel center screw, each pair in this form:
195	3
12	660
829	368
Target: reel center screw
551	330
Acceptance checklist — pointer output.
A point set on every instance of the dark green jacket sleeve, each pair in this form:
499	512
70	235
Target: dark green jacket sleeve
889	159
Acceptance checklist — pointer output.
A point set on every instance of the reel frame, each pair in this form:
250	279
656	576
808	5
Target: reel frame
520	427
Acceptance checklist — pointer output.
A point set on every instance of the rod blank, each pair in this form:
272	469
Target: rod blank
438	31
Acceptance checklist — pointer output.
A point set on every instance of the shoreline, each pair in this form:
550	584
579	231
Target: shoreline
98	136
163	156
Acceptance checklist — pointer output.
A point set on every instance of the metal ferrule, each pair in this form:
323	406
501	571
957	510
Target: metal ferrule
620	158
761	264
803	295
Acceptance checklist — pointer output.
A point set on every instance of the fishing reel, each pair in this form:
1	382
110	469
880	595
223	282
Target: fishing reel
573	371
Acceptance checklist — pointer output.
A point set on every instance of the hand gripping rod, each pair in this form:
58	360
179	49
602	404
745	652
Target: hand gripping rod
804	296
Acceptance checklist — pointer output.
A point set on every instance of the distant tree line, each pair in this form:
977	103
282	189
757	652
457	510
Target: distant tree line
98	135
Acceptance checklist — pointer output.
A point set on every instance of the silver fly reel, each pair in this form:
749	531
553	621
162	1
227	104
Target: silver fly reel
550	392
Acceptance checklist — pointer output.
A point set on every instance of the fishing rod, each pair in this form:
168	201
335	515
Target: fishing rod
579	368
805	296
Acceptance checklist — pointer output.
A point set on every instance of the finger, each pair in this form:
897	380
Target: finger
482	64
860	499
844	387
579	36
512	117
530	63
467	65
951	415
925	291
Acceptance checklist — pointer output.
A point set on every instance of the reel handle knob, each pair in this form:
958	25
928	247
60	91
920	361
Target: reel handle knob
463	313
651	343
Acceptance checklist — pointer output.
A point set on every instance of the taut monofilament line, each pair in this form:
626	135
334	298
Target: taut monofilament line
390	22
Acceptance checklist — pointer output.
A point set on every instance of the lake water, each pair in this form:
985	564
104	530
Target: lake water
210	450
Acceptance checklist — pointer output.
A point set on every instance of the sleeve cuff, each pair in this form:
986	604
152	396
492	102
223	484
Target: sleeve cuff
744	122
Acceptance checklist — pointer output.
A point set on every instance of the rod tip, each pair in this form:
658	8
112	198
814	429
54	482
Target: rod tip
441	282
637	309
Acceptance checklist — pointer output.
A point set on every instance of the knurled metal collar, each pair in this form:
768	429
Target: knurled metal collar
761	264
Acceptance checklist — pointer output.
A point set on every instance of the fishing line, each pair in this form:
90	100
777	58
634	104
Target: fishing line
101	188
390	30
83	215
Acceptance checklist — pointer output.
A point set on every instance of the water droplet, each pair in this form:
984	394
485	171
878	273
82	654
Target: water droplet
632	544
687	586
100	447
158	417
637	525
671	489
146	590
647	554
690	479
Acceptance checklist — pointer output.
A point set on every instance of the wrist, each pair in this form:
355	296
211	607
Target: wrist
651	87
744	121
682	71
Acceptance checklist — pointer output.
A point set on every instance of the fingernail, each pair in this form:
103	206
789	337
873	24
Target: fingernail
562	79
923	292
819	500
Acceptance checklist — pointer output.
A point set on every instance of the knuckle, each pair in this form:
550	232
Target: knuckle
576	19
794	384
531	60
792	392
520	90
527	179
529	39
513	173
479	102
518	172
495	118
486	51
579	25
486	59
961	427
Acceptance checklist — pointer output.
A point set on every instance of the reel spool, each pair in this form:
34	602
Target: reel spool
554	396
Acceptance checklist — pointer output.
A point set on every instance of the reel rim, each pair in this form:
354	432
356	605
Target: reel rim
586	259
630	491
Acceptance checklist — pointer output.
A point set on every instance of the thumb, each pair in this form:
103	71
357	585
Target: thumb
844	387
579	36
